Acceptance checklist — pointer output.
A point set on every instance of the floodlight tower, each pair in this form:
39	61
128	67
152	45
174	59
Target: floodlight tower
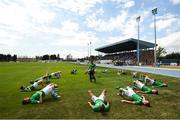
138	20
154	12
88	51
90	48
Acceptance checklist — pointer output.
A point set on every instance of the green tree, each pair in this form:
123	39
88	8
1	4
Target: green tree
173	55
69	57
8	56
14	58
58	57
45	57
160	52
53	57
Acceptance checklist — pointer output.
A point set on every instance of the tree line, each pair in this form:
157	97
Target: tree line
48	57
8	57
162	54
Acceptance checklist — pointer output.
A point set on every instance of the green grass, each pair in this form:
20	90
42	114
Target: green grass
74	97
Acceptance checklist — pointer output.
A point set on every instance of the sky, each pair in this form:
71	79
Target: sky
38	27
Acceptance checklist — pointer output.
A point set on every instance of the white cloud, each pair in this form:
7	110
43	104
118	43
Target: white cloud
80	7
75	54
100	11
67	38
125	3
24	23
166	21
115	39
68	35
19	19
9	40
107	25
12	15
124	23
171	42
80	39
163	24
37	11
24	13
129	4
70	26
175	1
38	27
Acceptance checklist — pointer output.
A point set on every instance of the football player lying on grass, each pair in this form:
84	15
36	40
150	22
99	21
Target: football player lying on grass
135	75
142	88
55	75
105	71
132	97
33	87
155	83
122	72
139	76
45	78
98	104
38	96
74	71
142	78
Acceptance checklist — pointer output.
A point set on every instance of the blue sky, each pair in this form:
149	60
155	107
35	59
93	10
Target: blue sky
38	27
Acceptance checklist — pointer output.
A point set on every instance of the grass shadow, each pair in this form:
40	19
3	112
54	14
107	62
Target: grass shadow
104	114
51	100
98	83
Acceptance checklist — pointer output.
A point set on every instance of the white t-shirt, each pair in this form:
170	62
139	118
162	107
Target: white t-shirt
139	85
35	84
129	92
150	80
101	97
47	89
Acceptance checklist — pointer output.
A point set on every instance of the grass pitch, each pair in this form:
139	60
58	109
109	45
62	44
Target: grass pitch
74	97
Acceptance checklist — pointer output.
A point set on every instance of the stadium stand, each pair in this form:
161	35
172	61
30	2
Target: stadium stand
125	52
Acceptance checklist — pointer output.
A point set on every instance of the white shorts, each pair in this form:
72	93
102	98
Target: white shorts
94	98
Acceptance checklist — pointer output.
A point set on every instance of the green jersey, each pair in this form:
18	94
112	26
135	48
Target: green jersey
32	87
146	89
92	67
156	83
37	80
98	103
137	99
46	78
35	97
